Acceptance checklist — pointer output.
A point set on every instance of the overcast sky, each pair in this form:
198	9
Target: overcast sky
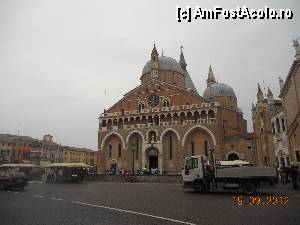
59	58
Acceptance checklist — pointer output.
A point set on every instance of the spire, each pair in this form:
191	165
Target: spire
154	63
253	107
211	77
269	92
154	52
182	60
260	95
270	96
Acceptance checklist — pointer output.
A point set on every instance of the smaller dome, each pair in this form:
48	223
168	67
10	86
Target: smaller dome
218	89
164	63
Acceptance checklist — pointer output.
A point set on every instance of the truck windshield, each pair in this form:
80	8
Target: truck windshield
191	163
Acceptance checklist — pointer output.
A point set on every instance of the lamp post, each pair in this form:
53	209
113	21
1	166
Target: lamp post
133	149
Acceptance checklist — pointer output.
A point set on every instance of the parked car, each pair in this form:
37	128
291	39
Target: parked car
10	180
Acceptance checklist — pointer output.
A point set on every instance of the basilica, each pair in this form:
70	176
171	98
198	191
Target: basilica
165	119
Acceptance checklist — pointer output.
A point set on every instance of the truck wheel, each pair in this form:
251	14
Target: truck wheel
249	188
199	187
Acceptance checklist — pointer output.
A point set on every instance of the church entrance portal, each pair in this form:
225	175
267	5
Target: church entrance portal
153	158
153	162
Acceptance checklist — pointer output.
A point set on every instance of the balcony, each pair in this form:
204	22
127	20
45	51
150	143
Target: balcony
128	127
200	121
140	125
189	122
175	123
165	124
212	120
165	109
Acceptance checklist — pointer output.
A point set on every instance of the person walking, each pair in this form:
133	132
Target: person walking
284	175
294	176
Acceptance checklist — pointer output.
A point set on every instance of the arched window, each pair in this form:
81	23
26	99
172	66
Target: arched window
273	128
120	149
261	130
171	146
206	147
141	106
265	161
193	148
211	114
137	148
109	150
166	103
282	124
156	120
277	125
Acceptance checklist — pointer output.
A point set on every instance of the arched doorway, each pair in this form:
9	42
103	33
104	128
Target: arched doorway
233	156
152	158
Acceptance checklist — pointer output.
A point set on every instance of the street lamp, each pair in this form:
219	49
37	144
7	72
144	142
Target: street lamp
133	149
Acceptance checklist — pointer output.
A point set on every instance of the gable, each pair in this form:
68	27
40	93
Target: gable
176	95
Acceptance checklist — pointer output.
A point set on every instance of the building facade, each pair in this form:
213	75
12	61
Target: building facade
262	114
290	94
14	148
280	140
46	151
164	119
79	155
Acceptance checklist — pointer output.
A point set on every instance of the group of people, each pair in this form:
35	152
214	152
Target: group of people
55	175
283	174
139	171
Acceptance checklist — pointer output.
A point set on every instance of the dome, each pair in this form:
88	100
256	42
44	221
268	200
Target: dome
164	63
218	89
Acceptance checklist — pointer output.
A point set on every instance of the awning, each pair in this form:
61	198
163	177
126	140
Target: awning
18	165
70	165
233	163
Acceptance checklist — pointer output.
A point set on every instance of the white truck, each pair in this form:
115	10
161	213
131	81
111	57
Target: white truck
204	173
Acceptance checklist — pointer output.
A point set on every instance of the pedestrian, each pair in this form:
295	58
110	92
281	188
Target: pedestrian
283	175
277	175
294	176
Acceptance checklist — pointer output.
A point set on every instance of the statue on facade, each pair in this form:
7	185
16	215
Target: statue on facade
297	47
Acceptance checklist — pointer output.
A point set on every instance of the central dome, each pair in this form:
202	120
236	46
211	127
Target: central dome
218	89
164	63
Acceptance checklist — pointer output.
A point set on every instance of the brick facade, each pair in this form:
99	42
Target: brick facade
181	123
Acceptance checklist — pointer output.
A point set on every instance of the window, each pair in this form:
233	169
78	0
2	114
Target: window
166	103
171	147
273	128
141	106
120	149
193	148
288	161
282	124
277	125
297	155
206	147
109	150
137	149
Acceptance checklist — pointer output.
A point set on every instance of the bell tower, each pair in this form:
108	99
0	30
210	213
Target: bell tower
154	63
210	77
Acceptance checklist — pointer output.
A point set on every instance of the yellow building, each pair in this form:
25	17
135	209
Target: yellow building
79	155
